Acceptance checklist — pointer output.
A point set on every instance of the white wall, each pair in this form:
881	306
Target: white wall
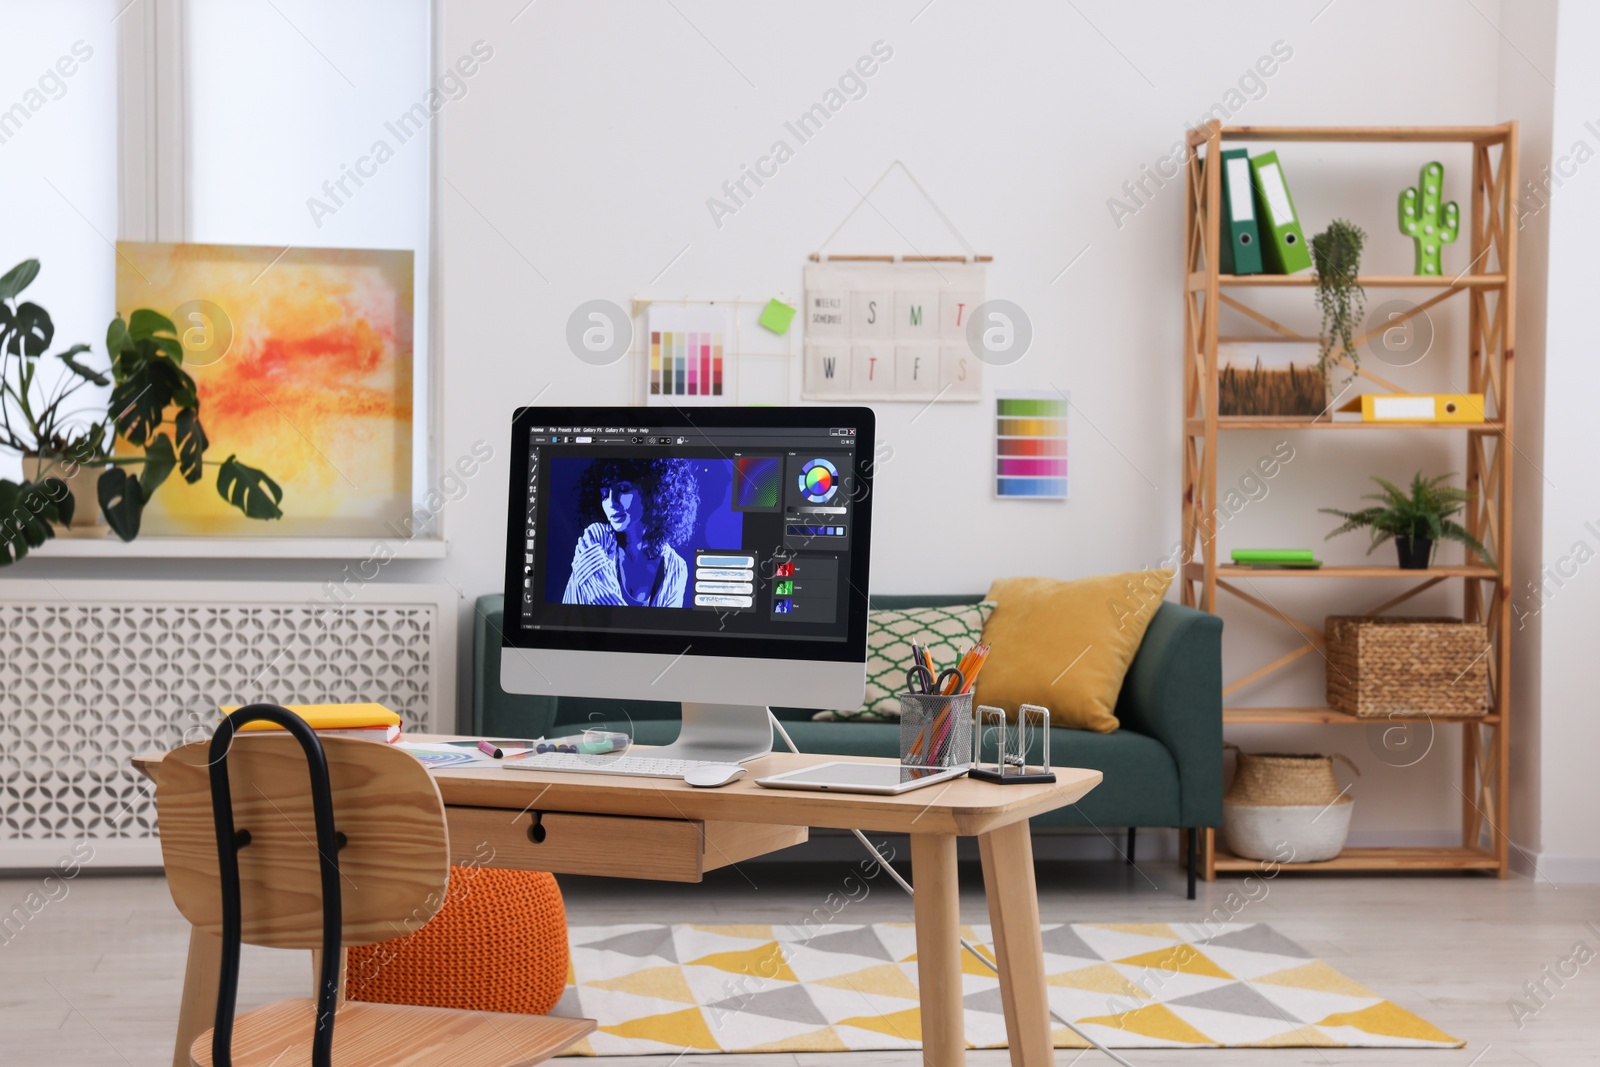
579	163
1569	726
1527	78
593	139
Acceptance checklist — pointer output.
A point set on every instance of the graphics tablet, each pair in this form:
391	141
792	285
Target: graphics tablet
861	777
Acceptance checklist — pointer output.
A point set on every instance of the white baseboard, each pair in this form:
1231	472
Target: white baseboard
1561	870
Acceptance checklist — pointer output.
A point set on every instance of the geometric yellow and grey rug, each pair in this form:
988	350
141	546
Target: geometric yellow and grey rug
763	988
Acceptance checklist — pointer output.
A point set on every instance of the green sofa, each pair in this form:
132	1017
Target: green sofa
1163	768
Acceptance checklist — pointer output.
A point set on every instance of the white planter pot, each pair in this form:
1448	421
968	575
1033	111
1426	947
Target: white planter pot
83	483
1315	832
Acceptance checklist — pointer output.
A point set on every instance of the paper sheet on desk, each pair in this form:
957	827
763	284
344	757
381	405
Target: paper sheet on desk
435	754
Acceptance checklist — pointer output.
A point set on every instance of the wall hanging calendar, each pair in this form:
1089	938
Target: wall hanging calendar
1030	445
878	328
700	353
893	327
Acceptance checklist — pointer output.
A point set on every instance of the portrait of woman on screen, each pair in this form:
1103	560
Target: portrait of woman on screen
634	512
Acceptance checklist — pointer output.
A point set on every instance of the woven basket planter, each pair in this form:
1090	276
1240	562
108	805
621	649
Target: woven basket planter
1382	667
1286	808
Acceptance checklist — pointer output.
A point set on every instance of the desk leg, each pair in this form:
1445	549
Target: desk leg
937	906
201	976
1014	915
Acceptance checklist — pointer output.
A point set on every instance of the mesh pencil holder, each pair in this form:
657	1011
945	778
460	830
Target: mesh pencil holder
936	729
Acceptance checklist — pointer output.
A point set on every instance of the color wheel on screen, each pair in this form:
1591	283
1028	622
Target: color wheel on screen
819	480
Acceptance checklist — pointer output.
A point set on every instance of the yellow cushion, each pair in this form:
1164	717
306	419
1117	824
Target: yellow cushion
1067	645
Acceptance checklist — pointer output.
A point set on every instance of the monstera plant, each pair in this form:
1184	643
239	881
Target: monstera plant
149	428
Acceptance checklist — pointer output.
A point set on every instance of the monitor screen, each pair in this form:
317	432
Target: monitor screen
727	531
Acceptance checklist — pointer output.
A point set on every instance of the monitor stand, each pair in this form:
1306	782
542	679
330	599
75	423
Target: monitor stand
721	733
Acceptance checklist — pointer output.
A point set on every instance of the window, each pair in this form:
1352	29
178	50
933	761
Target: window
301	131
58	174
292	123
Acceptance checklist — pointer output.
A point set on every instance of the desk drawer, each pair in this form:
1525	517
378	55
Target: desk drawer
616	846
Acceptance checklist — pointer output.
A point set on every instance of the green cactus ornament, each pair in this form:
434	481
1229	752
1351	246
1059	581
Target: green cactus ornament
1425	220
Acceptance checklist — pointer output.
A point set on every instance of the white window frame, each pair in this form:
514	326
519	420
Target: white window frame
153	206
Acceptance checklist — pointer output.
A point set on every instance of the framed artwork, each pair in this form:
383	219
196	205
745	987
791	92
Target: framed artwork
303	361
891	331
1269	379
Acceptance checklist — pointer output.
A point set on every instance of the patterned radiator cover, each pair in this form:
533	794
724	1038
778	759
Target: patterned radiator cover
93	673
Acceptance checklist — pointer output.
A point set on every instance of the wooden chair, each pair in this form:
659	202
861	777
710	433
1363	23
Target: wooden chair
278	838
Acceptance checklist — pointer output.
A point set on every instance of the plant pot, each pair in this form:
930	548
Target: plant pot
83	484
1415	552
1309	833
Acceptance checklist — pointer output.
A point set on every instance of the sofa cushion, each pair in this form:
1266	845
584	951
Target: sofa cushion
947	632
1066	645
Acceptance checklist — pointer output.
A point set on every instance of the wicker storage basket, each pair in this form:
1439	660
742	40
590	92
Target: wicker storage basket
1381	667
1286	808
1276	780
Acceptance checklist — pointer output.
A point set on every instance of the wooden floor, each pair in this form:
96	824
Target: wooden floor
94	977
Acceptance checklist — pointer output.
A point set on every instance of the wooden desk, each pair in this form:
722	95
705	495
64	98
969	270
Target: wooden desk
662	829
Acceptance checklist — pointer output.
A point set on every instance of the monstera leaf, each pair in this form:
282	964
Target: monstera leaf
121	501
159	459
88	373
158	330
249	490
18	278
116	337
29	509
140	398
29	330
192	443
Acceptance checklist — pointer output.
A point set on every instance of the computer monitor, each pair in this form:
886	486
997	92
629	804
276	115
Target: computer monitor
713	556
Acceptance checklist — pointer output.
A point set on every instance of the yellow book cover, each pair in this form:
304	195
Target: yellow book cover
329	716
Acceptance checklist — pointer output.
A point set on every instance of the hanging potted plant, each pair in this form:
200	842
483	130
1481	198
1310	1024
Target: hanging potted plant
154	408
1336	258
1417	521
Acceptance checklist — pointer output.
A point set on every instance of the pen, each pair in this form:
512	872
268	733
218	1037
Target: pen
503	750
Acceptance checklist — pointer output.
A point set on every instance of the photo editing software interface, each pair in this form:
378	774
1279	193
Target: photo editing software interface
730	531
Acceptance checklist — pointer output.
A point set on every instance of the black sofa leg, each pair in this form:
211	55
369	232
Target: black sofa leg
1131	832
1194	847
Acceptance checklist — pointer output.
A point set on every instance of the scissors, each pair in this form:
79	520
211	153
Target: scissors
920	679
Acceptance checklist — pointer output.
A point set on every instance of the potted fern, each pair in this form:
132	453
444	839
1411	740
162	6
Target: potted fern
1416	521
148	429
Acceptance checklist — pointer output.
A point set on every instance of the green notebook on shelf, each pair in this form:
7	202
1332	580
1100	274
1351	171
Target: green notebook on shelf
1274	555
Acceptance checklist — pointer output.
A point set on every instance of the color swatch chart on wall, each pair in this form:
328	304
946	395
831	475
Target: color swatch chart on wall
1030	445
689	355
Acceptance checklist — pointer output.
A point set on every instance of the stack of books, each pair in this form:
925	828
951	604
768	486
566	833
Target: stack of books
365	722
1276	558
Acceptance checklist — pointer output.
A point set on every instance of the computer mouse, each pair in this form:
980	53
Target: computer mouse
714	774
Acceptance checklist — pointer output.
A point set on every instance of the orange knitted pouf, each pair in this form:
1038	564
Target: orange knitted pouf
499	943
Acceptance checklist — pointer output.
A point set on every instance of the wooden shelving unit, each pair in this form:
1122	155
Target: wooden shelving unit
1490	295
1258	716
1376	859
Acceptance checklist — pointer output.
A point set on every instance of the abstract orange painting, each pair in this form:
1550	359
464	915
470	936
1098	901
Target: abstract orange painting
303	359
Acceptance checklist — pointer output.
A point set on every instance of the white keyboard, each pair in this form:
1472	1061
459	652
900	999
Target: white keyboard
634	766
